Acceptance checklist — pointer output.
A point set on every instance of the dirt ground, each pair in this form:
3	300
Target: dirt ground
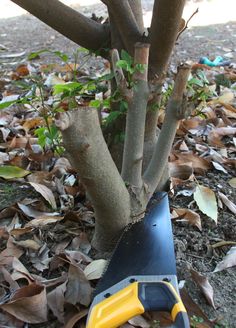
24	34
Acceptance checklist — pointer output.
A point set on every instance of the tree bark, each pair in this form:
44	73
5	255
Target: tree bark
164	29
135	121
136	6
75	26
88	153
174	113
126	23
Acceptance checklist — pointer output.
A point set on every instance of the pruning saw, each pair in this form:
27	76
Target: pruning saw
141	275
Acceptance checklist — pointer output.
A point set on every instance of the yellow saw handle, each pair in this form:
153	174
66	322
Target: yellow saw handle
135	299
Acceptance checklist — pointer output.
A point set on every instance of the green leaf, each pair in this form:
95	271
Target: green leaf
95	103
206	201
126	57
122	64
35	54
11	172
71	86
12	102
196	81
59	54
112	117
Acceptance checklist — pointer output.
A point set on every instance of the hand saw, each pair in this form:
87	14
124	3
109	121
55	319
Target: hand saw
141	275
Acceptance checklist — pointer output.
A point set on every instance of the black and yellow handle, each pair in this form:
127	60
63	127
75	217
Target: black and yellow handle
135	299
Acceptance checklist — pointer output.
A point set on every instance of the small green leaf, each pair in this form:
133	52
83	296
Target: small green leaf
112	117
35	54
95	103
195	81
122	64
11	172
126	57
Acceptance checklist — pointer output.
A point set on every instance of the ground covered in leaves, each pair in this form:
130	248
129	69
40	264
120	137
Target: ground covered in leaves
47	272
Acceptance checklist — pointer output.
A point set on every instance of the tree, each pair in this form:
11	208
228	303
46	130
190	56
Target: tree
121	197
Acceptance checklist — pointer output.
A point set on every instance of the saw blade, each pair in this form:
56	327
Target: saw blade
145	248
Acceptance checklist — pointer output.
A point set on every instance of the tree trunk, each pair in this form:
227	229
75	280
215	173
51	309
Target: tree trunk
88	153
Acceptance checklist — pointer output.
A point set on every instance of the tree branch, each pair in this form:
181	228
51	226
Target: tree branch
163	32
75	26
88	152
174	113
125	22
136	6
135	120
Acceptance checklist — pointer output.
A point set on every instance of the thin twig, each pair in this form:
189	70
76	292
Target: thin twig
186	24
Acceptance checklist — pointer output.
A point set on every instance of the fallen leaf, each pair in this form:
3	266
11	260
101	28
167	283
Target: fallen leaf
43	221
232	182
11	172
78	287
75	318
95	269
28	304
216	134
56	301
229	260
219	167
139	321
20	231
206	201
230	205
223	243
180	171
205	286
199	164
190	216
45	192
226	98
28	211
28	243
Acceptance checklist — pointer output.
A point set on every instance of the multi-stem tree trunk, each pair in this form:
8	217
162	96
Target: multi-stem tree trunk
118	198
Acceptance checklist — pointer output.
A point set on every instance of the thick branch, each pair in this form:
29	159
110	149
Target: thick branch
89	154
135	120
174	113
163	33
136	6
75	26
125	22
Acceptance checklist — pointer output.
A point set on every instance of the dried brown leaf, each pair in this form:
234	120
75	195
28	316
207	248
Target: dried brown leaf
56	301
190	216
139	321
75	318
199	164
45	192
78	287
28	304
205	286
230	205
28	211
28	243
43	220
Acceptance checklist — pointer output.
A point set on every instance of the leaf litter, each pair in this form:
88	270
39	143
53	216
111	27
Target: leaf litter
46	251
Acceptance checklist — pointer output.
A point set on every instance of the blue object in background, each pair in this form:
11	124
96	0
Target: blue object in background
218	61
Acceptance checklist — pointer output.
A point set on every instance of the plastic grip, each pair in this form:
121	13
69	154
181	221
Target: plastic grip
162	296
135	299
